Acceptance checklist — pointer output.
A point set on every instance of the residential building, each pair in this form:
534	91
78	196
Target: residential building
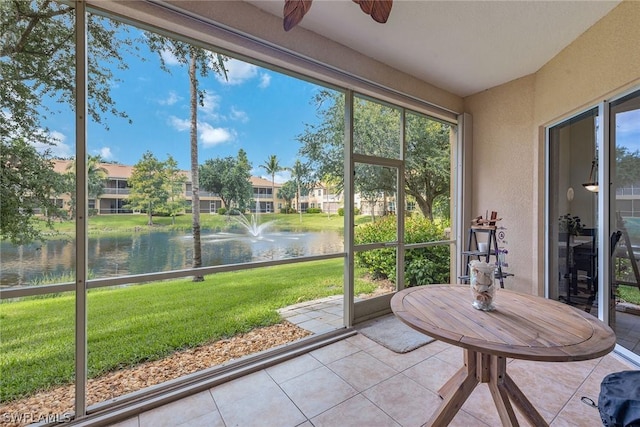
116	190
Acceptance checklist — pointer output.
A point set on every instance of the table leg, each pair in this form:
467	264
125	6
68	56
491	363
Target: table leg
521	401
485	368
498	371
456	391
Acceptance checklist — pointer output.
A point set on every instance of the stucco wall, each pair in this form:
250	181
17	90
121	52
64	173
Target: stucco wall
509	125
504	170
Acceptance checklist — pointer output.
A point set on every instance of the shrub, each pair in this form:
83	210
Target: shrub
222	211
422	265
356	211
287	210
314	210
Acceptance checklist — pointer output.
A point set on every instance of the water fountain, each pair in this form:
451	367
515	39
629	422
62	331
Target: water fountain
252	224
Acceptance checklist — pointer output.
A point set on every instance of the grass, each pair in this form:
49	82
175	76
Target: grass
127	223
629	294
130	325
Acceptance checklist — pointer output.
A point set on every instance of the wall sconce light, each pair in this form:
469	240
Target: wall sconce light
591	184
570	194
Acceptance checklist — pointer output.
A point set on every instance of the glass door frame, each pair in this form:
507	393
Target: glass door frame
611	207
605	203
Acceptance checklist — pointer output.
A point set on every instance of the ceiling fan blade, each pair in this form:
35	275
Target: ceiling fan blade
378	9
294	11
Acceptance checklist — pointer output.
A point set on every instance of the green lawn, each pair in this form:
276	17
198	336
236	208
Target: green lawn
629	294
129	325
101	224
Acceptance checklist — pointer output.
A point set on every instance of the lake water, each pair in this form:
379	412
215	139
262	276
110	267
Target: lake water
156	251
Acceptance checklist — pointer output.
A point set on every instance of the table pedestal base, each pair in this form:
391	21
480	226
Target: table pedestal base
484	368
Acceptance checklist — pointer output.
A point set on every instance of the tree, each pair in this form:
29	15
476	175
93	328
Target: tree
148	186
272	167
38	64
288	192
230	179
330	182
301	174
200	61
323	143
29	185
175	180
96	179
376	132
37	70
627	167
428	166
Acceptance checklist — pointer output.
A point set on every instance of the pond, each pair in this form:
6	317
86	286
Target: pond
149	252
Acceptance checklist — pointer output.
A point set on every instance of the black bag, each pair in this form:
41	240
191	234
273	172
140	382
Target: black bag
619	399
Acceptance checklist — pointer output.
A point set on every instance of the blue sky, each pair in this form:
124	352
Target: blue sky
256	109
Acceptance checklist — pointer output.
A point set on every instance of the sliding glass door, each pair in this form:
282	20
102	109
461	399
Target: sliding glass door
624	311
593	229
573	211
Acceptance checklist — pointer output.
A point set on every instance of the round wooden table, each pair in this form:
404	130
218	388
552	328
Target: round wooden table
521	327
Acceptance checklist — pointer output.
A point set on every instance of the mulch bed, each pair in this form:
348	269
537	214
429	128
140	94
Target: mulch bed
60	400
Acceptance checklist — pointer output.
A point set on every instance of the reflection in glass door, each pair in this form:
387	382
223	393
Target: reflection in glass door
625	217
573	203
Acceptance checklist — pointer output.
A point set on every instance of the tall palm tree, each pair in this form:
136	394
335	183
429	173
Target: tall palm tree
203	62
272	167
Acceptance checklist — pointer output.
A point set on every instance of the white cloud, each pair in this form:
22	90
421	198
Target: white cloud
211	104
238	72
628	122
239	115
211	136
282	177
58	148
265	80
179	124
169	58
105	153
171	98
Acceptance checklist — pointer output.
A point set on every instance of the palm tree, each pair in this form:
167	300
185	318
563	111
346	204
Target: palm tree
300	175
199	61
272	167
96	177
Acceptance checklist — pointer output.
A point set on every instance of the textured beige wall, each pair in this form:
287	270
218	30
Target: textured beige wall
509	125
504	170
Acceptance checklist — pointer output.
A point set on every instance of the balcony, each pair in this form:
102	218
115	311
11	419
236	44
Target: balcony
109	191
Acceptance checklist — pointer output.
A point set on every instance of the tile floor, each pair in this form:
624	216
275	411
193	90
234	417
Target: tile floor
357	382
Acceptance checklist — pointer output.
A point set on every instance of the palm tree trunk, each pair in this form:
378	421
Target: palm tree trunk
195	185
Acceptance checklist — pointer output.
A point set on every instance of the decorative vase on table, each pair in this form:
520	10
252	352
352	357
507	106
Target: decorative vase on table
483	289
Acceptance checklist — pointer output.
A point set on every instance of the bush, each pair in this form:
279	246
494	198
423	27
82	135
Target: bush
287	210
314	210
422	266
356	211
222	211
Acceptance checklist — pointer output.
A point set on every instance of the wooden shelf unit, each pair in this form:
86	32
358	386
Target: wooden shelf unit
472	252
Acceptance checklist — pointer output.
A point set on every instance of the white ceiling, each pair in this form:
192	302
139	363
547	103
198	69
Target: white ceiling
460	46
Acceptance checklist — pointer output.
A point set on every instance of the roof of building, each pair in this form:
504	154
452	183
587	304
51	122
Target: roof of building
119	171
